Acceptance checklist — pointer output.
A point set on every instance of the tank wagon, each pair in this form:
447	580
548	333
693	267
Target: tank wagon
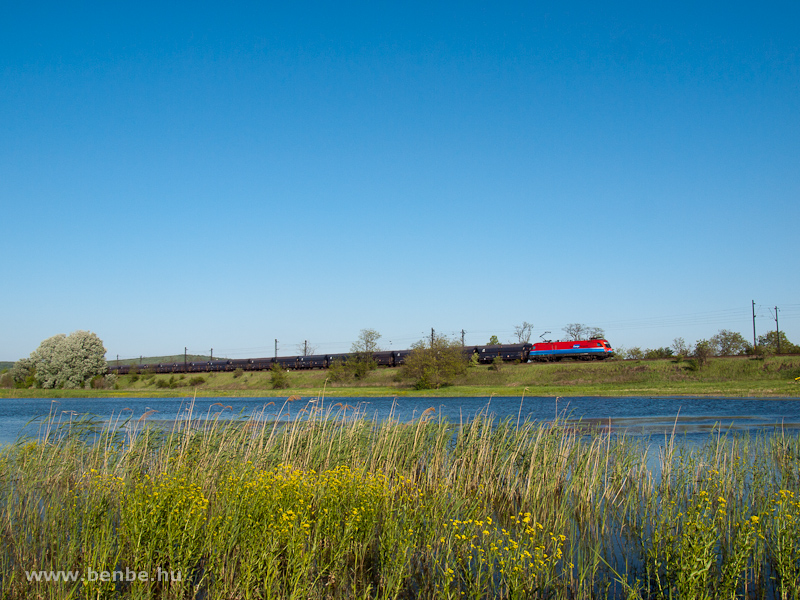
586	350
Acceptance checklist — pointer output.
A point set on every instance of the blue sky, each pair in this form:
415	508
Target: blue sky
210	175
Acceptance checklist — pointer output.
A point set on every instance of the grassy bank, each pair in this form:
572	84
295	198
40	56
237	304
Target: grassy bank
734	376
344	508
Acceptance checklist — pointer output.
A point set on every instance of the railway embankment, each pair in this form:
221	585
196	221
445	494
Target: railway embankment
725	376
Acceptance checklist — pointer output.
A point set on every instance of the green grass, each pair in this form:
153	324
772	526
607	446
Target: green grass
735	377
339	507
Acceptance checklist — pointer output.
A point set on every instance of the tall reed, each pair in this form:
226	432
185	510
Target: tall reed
326	503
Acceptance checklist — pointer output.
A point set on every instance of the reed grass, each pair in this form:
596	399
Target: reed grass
332	505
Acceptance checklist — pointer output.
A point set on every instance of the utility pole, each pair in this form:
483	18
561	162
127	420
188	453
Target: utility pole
432	337
305	347
212	354
184	357
754	325
777	331
276	347
462	337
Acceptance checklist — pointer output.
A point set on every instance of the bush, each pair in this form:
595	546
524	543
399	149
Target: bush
6	380
98	382
635	353
337	372
197	380
167	383
497	364
238	373
703	351
658	353
436	363
278	378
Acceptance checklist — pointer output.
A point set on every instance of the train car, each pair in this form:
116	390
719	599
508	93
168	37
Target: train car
313	361
399	356
260	364
245	364
507	352
598	349
330	359
285	362
384	358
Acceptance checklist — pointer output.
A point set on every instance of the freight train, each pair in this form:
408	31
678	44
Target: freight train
542	351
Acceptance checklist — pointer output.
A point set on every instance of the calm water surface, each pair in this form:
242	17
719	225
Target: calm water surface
691	418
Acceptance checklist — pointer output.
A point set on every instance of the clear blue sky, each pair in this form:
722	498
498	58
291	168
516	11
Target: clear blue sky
223	174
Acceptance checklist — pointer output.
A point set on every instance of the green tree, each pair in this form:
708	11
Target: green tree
680	348
703	351
69	361
658	353
435	363
493	341
728	343
770	342
367	342
361	360
635	353
23	373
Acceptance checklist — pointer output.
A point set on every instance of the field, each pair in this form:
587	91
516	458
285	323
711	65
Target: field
334	507
730	376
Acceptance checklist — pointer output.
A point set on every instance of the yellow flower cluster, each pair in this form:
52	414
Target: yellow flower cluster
524	556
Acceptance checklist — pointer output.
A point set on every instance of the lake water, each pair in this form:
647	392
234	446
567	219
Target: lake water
691	418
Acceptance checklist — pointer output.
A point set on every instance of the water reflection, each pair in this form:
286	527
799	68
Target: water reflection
688	418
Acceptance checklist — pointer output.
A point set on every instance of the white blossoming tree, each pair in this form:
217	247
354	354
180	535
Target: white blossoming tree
69	361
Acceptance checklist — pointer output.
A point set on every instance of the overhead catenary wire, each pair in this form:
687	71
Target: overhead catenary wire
727	318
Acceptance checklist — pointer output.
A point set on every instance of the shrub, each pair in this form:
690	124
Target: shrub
436	363
278	378
338	372
197	380
98	382
635	353
497	364
703	351
166	383
658	352
6	380
238	373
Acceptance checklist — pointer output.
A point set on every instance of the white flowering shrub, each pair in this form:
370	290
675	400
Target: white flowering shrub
69	361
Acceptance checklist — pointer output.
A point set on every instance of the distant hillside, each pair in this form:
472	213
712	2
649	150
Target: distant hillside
150	360
5	365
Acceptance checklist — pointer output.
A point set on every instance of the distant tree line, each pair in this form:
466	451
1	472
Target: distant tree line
724	343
